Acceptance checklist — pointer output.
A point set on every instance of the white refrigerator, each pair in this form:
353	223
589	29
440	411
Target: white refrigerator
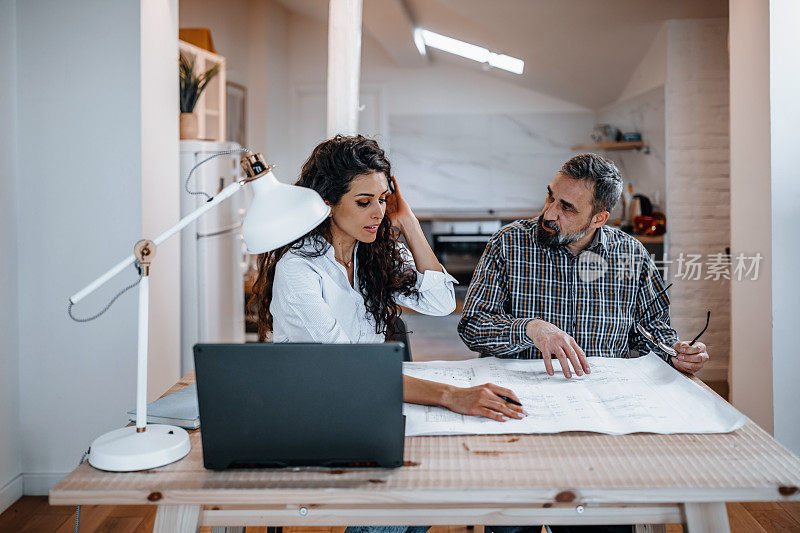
213	254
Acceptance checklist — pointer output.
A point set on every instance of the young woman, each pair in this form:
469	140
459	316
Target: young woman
344	281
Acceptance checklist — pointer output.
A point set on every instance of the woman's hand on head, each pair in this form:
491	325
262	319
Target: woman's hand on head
397	209
484	400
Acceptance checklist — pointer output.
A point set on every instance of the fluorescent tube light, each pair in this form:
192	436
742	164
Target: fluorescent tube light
511	64
419	40
480	54
454	46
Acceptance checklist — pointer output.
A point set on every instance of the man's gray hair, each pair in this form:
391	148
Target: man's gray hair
605	175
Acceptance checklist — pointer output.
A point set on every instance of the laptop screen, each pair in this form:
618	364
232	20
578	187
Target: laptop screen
277	405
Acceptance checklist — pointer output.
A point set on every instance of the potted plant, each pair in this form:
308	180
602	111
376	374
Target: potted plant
192	86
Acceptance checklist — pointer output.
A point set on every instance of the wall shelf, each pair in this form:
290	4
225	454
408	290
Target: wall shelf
210	108
611	145
650	239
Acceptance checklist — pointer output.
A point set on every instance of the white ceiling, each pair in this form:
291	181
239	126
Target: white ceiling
583	51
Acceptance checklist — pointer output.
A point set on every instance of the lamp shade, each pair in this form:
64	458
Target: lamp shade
280	214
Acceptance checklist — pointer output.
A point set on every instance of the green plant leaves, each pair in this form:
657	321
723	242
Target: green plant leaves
192	85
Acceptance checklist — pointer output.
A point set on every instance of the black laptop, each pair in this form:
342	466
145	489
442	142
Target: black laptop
266	405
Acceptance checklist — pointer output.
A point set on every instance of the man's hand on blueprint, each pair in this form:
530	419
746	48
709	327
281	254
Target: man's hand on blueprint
483	400
690	358
552	340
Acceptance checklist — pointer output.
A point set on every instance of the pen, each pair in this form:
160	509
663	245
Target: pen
509	400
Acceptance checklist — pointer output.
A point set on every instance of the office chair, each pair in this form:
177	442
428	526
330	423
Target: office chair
401	335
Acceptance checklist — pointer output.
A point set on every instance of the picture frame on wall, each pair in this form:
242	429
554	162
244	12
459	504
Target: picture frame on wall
236	100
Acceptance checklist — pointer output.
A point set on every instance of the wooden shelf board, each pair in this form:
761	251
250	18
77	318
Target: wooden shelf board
655	239
633	145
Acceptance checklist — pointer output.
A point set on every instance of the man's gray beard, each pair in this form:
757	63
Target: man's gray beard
557	239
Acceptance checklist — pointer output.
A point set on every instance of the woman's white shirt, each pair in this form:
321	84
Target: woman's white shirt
312	300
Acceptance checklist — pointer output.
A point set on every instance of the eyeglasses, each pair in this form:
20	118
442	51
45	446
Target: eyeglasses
669	350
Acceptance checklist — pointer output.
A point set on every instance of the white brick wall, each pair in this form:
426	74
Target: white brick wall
698	177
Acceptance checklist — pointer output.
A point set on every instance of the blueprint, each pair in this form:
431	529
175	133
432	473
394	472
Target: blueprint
619	396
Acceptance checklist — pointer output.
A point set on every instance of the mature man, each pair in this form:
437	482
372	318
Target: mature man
566	285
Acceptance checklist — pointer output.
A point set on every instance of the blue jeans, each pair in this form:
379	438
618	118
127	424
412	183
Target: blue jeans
560	529
387	529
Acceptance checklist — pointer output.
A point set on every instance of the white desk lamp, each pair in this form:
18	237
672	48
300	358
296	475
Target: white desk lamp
278	215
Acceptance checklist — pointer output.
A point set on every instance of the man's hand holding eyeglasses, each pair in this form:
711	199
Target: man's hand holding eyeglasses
690	359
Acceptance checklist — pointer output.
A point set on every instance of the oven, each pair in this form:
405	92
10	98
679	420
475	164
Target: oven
459	245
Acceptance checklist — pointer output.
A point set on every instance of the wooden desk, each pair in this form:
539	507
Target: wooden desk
568	478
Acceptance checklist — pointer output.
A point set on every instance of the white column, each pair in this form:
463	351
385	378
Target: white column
344	66
784	56
751	210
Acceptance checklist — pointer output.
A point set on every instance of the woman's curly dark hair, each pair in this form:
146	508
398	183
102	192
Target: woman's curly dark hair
382	271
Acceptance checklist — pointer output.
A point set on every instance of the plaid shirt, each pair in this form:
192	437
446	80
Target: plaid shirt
596	297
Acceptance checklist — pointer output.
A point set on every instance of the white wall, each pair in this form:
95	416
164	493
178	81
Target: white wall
10	450
752	351
229	24
81	203
784	56
160	189
765	193
651	72
269	58
698	180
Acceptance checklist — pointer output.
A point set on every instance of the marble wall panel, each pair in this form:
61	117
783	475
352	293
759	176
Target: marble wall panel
482	161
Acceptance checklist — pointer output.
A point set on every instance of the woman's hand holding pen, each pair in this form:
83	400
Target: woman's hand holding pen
487	400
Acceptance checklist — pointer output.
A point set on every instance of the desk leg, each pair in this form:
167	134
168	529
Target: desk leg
706	517
177	519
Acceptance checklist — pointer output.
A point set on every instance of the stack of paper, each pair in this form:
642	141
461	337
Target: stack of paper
177	409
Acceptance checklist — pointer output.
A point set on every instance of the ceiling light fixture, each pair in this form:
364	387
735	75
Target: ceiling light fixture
423	38
419	40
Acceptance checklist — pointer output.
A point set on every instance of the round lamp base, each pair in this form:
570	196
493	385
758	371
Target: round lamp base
124	450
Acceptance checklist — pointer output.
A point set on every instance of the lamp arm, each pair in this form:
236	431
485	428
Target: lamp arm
223	195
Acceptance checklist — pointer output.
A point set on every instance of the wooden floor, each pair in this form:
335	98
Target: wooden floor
33	514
